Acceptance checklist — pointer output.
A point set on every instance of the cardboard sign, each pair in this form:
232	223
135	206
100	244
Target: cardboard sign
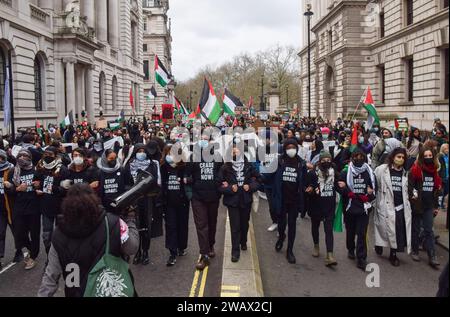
101	124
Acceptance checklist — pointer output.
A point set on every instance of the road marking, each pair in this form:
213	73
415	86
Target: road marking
194	283
201	291
230	294
10	265
230	288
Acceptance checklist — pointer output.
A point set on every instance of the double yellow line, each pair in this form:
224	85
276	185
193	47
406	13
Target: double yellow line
202	276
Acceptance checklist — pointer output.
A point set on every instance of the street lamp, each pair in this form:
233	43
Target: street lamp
262	106
308	14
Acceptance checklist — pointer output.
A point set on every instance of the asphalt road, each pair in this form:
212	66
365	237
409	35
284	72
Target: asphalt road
308	278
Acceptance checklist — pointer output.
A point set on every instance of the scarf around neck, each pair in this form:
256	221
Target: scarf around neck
354	171
137	165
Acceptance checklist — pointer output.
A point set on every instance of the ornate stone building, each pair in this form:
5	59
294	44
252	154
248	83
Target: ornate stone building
398	47
71	56
157	41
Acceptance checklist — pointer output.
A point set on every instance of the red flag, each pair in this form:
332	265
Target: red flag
235	123
131	98
397	125
354	137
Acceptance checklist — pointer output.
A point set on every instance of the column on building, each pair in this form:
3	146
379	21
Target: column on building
80	86
60	89
70	79
113	27
87	9
89	85
101	9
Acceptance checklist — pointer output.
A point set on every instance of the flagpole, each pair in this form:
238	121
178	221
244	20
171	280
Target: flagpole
11	97
360	102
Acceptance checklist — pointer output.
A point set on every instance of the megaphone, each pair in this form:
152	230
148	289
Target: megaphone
144	184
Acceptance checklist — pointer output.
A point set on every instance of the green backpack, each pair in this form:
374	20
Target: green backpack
110	277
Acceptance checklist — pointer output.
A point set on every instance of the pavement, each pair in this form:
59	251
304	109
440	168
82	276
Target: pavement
260	272
441	229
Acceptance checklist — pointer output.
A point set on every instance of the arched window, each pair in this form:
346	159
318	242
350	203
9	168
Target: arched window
38	86
102	83
114	93
2	77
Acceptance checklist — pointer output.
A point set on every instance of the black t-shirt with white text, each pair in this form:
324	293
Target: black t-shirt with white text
396	182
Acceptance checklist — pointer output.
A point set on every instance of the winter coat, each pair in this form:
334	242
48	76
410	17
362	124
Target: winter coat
384	211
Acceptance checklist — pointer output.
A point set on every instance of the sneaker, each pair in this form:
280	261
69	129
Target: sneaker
171	261
279	245
330	260
291	257
182	253
273	227
394	260
433	262
30	264
362	264
202	263
235	258
379	250
415	257
316	251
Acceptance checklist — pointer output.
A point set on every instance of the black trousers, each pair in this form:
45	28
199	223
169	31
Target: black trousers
288	216
356	225
28	230
239	224
273	214
327	227
177	228
48	225
144	221
3	227
205	218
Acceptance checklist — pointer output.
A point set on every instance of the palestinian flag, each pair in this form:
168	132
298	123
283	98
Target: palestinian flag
39	128
121	117
161	73
369	105
209	105
68	120
180	108
132	98
230	102
152	93
354	143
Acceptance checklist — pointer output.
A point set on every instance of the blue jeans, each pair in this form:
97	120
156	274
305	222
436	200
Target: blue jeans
426	220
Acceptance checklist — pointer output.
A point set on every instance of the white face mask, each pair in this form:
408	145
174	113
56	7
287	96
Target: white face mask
78	161
291	153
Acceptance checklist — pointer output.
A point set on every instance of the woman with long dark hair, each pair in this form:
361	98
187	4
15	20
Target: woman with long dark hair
413	146
424	188
80	239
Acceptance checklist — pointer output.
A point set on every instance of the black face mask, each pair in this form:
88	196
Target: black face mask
325	166
112	163
49	159
428	161
358	163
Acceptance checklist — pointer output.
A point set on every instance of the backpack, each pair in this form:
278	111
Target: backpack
110	277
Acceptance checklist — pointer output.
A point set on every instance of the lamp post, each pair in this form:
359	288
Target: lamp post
287	97
308	14
262	106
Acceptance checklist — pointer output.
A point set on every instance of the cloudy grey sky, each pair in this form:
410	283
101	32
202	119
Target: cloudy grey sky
210	32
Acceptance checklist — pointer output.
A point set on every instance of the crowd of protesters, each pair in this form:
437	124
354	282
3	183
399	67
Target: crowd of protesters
326	170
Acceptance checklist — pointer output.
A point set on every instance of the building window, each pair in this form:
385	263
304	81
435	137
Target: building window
2	77
114	93
145	47
145	26
446	73
37	84
146	70
330	40
409	66
445	4
102	83
382	77
381	24
133	40
409	11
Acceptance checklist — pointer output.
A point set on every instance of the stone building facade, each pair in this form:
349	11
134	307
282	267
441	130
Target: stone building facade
399	48
70	55
157	41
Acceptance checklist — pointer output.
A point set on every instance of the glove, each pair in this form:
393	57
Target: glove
66	184
364	198
351	195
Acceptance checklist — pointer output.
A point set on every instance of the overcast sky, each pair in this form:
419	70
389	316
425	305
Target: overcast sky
210	32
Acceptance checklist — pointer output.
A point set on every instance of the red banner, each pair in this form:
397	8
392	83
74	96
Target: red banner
167	112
